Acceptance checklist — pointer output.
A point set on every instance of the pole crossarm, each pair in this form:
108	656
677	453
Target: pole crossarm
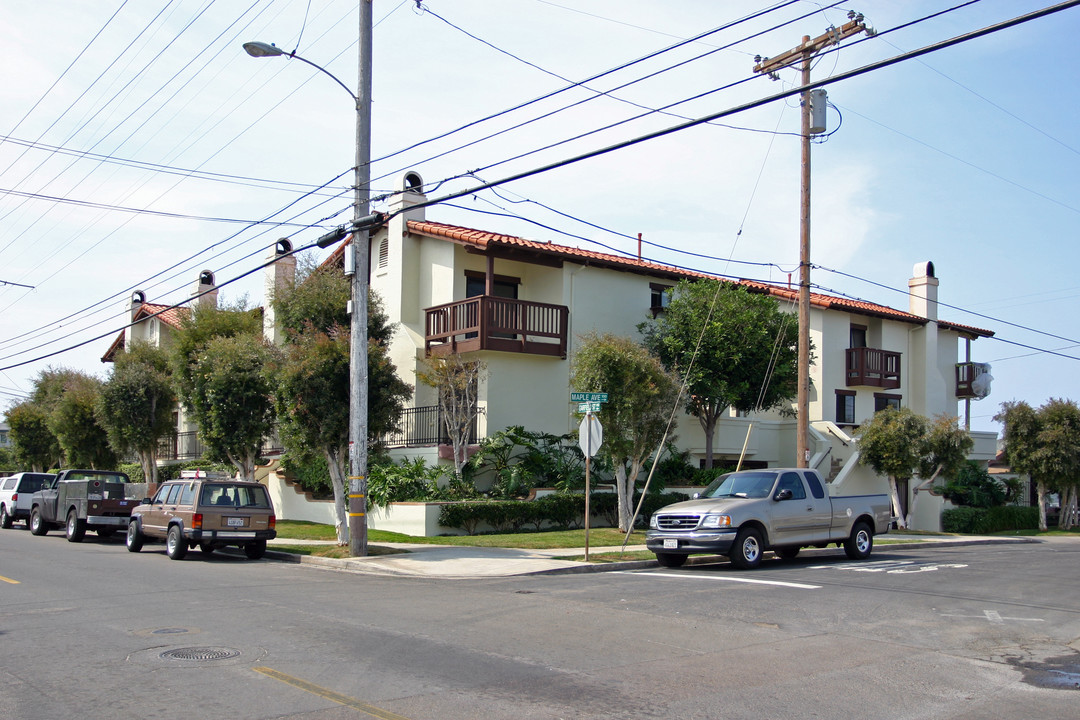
832	36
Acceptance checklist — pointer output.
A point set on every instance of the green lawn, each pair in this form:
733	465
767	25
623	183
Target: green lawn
299	530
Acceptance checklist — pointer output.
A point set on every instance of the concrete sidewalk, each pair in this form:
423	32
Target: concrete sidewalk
464	562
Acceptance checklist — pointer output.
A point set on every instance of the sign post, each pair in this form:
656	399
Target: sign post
590	437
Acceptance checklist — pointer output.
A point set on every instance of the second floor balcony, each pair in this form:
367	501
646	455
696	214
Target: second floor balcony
870	367
486	322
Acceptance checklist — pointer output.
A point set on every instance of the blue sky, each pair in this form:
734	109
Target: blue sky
966	157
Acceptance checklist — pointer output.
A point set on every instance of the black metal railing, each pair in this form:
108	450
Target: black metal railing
420	426
189	446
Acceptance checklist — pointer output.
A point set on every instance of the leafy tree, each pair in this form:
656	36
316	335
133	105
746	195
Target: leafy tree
972	486
136	404
734	348
7	459
312	376
892	444
1045	444
83	440
232	399
197	329
945	448
457	381
35	444
641	394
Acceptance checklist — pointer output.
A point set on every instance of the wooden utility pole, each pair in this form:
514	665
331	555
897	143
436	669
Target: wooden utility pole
803	54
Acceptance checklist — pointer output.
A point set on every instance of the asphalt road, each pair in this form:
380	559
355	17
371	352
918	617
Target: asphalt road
90	630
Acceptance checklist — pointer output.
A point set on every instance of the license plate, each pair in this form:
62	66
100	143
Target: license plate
671	544
235	522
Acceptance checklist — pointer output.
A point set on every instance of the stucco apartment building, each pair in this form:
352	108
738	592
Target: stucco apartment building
521	305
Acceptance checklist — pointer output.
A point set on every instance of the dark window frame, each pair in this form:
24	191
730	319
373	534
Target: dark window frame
842	405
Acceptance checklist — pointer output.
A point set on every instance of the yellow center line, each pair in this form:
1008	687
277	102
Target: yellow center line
9	580
330	694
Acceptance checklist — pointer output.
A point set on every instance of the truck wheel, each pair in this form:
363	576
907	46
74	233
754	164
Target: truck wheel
786	553
37	523
76	528
5	519
134	539
860	543
255	550
747	549
175	547
670	559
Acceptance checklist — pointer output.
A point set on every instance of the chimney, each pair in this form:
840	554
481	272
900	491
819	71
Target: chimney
410	191
922	291
205	284
280	274
137	299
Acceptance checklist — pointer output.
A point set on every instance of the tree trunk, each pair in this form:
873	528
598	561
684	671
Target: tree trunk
1040	493
894	496
148	461
1067	514
915	494
708	425
335	461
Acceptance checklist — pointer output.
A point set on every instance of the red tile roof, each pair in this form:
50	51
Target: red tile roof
483	240
171	316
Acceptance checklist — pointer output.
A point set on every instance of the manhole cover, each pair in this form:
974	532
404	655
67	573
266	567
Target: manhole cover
200	654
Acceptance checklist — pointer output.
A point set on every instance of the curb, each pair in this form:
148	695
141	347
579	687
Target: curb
357	565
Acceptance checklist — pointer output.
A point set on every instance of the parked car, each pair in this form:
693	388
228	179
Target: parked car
15	493
81	500
745	513
208	513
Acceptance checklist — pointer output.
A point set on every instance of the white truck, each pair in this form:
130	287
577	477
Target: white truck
743	514
15	493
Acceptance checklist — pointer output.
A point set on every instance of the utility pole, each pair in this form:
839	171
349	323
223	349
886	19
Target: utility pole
803	54
358	340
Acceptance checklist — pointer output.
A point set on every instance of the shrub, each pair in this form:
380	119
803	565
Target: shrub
408	481
982	521
133	471
974	487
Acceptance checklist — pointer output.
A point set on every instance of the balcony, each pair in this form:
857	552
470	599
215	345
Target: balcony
189	446
486	322
966	374
870	367
423	426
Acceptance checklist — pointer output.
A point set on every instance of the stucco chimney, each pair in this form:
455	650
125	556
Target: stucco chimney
410	191
277	276
205	284
137	299
923	291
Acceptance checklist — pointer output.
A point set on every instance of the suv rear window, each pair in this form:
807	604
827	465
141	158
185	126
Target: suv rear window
235	495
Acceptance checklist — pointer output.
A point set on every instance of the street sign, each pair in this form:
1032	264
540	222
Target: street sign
588	407
588	397
590	435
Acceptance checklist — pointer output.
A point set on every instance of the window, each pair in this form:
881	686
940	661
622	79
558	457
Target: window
476	283
660	297
857	338
790	481
815	486
886	400
174	495
188	497
845	407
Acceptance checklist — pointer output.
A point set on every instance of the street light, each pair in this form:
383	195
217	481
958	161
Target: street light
358	351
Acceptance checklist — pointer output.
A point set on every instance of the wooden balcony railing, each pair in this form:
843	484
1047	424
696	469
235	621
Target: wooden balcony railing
486	322
966	373
872	367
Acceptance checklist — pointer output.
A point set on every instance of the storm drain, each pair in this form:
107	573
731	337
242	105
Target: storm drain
169	631
200	654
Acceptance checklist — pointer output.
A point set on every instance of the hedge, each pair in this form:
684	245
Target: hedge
556	511
983	521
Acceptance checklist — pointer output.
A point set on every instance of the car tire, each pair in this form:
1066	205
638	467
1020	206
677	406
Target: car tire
37	523
747	550
860	543
175	547
6	520
788	553
255	550
134	540
671	560
206	548
75	529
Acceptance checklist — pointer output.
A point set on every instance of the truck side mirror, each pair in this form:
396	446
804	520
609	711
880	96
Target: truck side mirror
784	494
697	495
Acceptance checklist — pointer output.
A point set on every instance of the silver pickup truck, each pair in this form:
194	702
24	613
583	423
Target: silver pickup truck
743	514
